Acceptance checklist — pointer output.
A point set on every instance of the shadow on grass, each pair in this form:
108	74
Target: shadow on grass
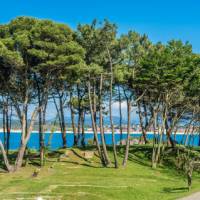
79	156
34	163
138	160
81	164
175	190
134	156
54	154
3	171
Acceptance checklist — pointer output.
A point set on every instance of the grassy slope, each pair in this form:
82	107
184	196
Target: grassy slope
75	178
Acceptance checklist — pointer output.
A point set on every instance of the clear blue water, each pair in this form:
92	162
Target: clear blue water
56	141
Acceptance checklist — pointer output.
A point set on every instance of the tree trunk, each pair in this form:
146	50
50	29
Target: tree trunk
25	136
107	159
62	117
112	127
73	122
79	126
110	110
20	156
52	132
157	156
9	124
7	130
60	112
25	129
5	158
128	133
79	113
160	140
83	128
155	140
191	135
94	126
187	135
73	118
120	115
4	125
73	125
43	122
94	109
141	123
41	134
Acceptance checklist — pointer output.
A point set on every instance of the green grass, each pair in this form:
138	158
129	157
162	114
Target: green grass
75	178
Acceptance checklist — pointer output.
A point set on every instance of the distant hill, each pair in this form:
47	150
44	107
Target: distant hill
106	120
16	123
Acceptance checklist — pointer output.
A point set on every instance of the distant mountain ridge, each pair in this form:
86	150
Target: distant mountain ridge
116	119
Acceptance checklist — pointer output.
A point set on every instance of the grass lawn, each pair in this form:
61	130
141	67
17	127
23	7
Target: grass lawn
76	178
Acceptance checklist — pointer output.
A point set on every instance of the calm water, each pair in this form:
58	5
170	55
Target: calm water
56	141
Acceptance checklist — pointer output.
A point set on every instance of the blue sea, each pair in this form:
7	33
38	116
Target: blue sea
56	141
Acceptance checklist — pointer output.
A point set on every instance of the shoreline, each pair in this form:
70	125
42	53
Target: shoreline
91	132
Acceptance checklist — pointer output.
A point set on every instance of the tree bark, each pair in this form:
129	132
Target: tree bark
128	133
79	127
153	164
9	124
25	137
62	117
94	126
4	125
141	123
73	119
83	128
110	109
120	115
94	109
107	159
5	158
79	113
41	134
60	111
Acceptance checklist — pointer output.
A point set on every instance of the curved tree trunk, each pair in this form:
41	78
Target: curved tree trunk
94	109
25	136
110	109
141	123
94	126
5	158
105	152
112	128
60	111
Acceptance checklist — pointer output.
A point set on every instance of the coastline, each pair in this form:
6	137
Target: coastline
90	132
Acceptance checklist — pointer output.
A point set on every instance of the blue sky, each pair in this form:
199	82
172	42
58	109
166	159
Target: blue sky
161	20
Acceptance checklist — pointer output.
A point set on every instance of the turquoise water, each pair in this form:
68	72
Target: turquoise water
56	141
